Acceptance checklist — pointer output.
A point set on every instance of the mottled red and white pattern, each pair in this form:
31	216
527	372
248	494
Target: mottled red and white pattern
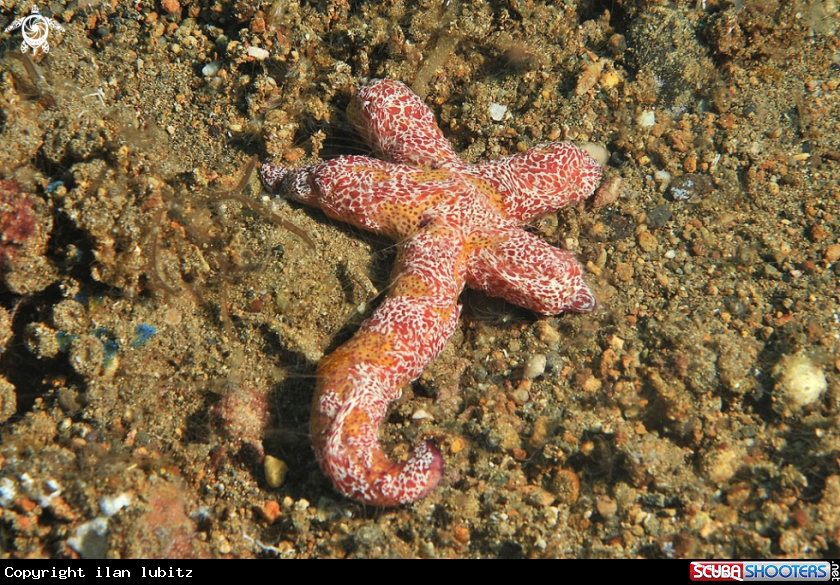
456	224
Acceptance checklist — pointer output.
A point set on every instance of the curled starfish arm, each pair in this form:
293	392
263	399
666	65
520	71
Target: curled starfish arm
544	179
523	269
361	378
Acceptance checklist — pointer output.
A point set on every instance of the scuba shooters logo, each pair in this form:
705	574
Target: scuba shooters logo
35	30
765	571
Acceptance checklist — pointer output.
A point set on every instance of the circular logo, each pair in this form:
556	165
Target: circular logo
35	30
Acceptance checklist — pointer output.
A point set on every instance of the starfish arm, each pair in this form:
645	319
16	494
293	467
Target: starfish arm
544	179
369	193
399	126
358	381
523	269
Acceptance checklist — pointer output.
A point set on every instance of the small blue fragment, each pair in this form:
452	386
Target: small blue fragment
111	350
142	334
52	187
100	332
82	297
65	340
109	343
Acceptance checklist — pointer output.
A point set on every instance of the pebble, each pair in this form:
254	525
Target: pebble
565	486
110	505
592	384
456	445
172	316
608	193
624	271
801	382
521	395
211	69
547	333
422	414
589	77
498	111
258	53
257	25
832	253
462	534
275	471
270	511
720	464
171	6
537	496
647	242
646	119
540	433
535	366
606	507
683	189
689	186
223	545
659	216
663	177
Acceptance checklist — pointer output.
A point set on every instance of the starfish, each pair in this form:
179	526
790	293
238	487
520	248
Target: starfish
456	224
